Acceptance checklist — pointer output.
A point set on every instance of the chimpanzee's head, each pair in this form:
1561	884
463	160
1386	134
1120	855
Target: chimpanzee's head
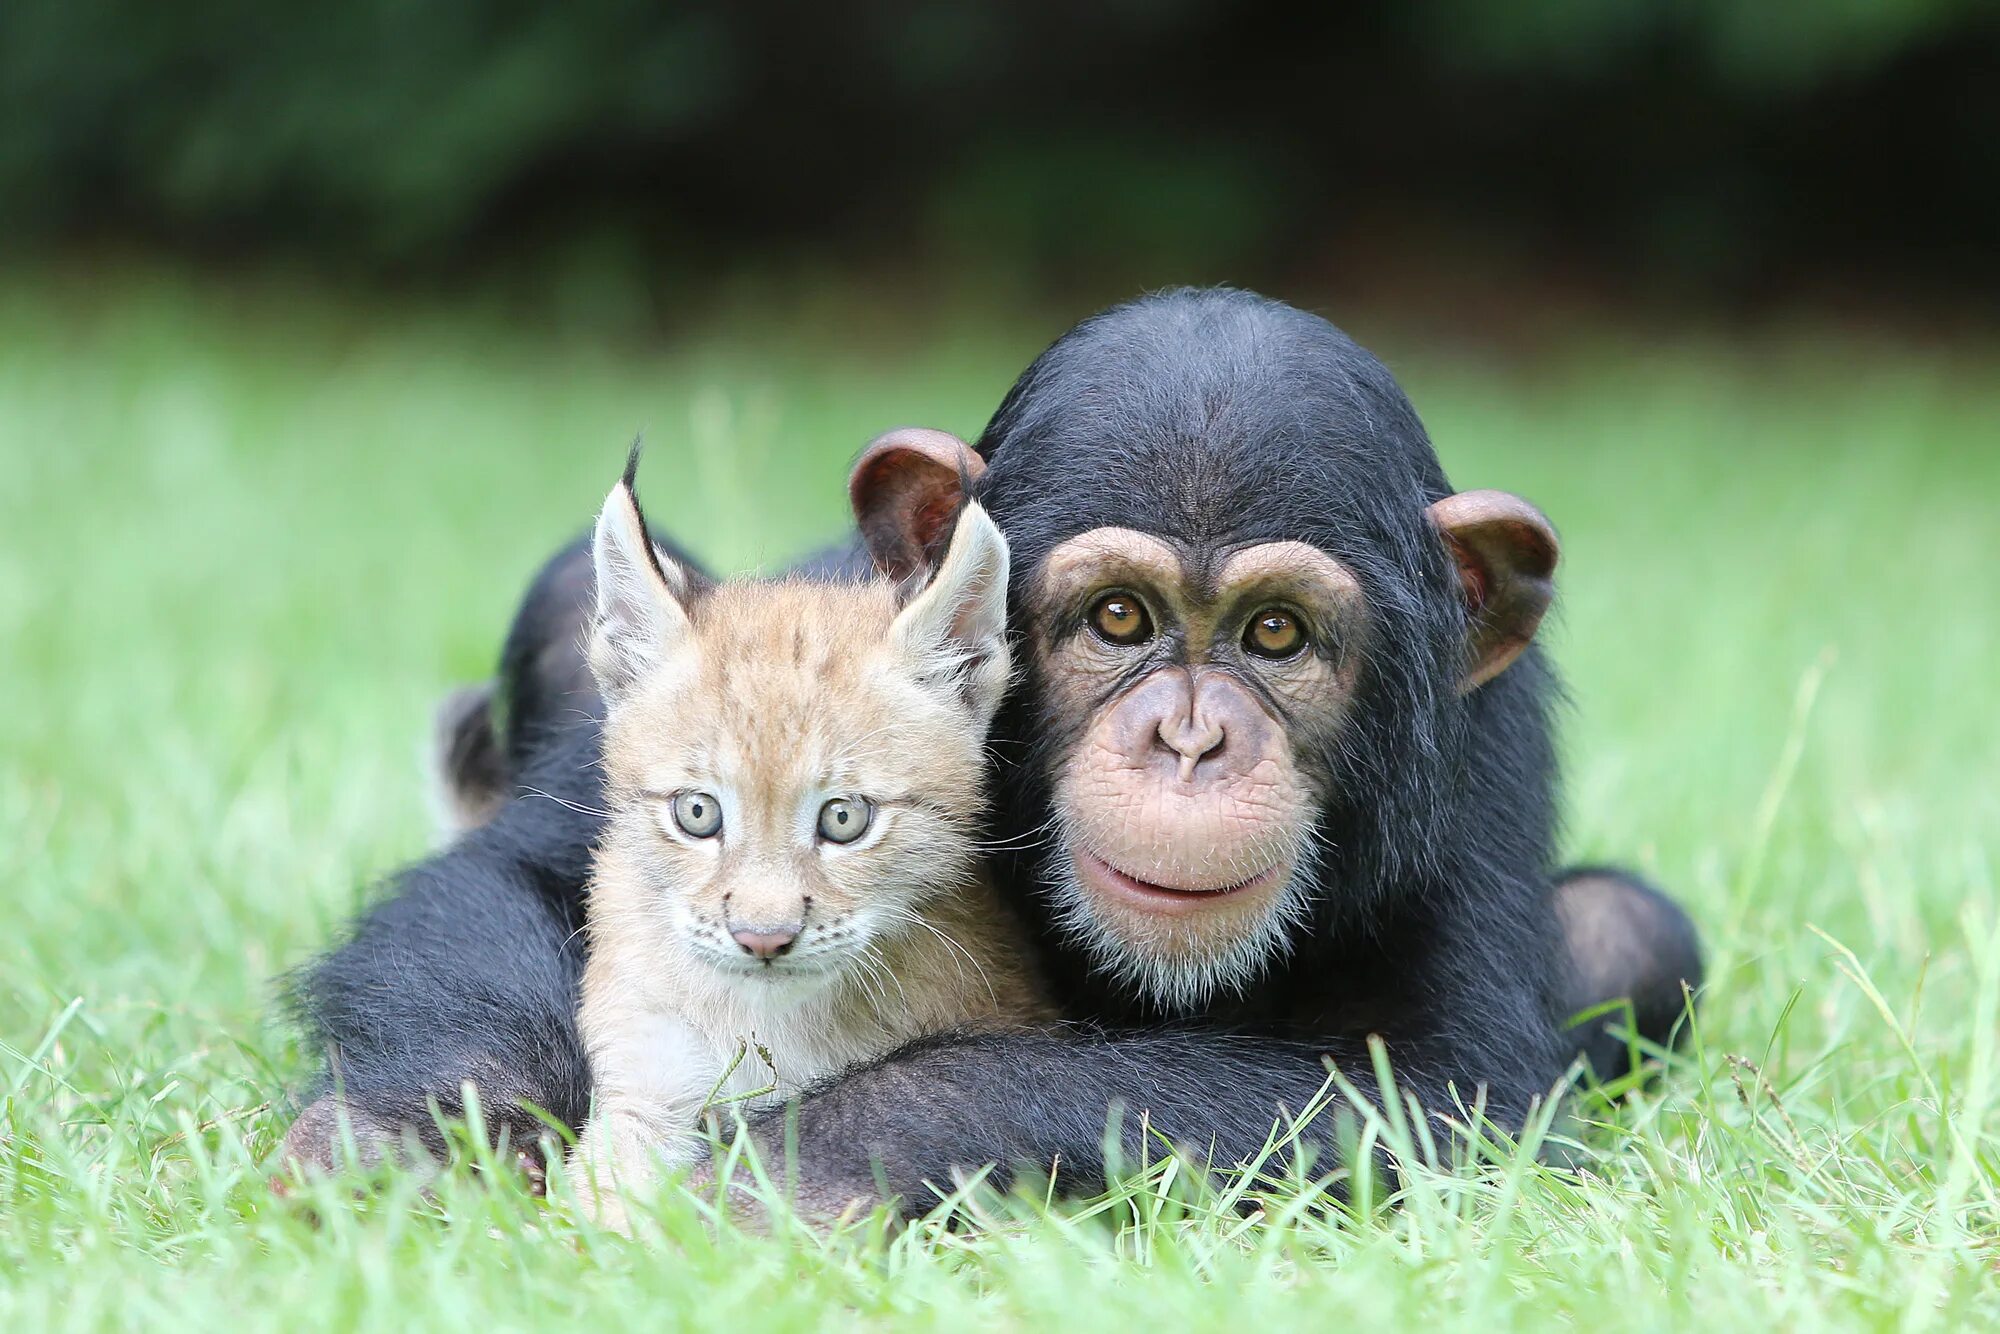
1252	615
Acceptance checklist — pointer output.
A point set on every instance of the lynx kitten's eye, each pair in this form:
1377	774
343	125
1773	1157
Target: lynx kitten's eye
698	814
845	819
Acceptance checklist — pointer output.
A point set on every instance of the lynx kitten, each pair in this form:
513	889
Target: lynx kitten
788	882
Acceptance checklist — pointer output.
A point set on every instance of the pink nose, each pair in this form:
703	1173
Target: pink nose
765	942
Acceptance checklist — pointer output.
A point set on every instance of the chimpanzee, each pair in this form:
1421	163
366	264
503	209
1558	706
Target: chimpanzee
1278	776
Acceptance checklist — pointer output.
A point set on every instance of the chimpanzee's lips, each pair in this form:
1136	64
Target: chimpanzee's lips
1101	877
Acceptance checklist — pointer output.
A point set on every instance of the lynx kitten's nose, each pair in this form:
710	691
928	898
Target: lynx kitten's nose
766	942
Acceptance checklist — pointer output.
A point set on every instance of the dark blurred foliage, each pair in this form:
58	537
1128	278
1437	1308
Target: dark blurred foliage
1733	144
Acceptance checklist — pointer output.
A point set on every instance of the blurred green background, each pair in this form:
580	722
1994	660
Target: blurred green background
635	152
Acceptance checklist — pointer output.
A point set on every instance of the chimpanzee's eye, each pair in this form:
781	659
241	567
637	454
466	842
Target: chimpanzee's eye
1120	618
1274	633
844	819
698	814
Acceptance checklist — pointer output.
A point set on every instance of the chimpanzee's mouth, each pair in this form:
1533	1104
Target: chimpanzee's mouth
1101	877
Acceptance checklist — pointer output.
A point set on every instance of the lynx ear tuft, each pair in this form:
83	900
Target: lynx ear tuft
956	625
641	594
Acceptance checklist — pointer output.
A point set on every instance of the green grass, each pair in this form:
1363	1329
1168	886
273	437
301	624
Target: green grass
248	535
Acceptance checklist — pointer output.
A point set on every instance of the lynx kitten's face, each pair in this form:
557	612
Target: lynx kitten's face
793	768
785	773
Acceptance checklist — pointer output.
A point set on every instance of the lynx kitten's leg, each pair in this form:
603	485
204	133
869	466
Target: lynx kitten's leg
621	1157
613	1162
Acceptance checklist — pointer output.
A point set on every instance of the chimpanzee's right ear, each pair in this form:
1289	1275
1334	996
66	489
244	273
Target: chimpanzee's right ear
642	595
906	490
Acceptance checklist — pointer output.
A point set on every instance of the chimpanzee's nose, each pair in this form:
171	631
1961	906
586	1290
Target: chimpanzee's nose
1189	730
1190	737
765	942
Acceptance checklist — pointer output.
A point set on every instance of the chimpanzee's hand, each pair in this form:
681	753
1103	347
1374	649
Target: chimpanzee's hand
821	1193
318	1145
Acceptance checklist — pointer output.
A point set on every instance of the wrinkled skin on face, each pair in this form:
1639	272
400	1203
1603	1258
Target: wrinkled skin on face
1190	799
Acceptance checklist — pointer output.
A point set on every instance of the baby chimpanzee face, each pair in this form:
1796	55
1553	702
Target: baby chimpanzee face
1189	821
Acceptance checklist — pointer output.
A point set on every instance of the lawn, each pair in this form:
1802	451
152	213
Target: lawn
249	532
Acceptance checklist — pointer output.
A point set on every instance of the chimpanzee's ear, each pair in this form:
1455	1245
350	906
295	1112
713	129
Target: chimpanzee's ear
906	488
1506	552
642	595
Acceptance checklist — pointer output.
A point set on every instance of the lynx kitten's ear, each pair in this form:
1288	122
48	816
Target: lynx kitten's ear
641	595
956	626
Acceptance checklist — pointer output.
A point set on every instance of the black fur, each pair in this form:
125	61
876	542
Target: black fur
1215	418
468	968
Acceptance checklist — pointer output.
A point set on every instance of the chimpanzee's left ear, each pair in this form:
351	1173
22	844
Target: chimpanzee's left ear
1506	552
906	490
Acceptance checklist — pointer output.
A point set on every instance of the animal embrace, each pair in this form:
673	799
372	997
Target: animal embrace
1273	776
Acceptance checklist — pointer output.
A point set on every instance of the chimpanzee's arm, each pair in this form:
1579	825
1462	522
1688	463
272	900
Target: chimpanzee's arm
468	970
1029	1100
